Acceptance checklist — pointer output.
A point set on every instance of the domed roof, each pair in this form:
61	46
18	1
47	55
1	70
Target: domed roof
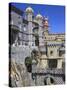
39	16
29	10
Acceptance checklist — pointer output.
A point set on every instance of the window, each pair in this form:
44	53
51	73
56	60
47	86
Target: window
12	35
37	40
51	52
52	63
24	27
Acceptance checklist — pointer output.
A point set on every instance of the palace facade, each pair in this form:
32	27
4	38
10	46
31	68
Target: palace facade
31	33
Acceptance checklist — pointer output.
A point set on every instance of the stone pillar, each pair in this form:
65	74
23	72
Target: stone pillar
44	64
30	32
59	64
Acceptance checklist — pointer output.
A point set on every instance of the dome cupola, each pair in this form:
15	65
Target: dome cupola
39	16
29	10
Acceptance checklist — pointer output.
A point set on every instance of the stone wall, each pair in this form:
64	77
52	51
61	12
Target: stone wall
19	53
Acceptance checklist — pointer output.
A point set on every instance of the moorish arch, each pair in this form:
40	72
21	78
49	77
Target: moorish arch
49	80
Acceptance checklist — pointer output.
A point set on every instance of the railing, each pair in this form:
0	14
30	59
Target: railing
39	71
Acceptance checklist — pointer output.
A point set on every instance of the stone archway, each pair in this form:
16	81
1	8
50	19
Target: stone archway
49	80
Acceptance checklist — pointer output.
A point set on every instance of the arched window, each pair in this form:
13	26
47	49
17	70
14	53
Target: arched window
28	63
36	40
51	52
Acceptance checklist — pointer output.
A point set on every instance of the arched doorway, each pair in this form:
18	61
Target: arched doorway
49	81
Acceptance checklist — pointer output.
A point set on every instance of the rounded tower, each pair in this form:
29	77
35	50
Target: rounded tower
29	13
39	19
39	16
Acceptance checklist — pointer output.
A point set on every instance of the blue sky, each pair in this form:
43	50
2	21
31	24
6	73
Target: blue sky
55	13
